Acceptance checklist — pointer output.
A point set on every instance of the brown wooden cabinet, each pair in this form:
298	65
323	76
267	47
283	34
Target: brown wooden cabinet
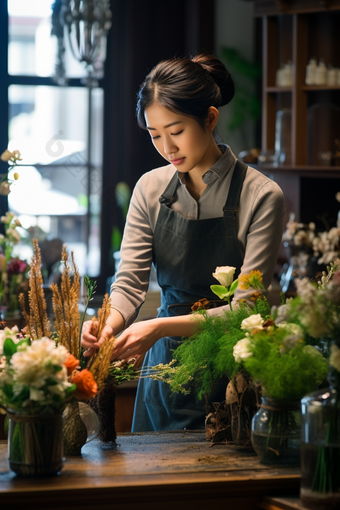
296	31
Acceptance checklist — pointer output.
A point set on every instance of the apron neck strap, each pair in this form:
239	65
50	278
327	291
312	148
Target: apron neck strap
232	203
168	195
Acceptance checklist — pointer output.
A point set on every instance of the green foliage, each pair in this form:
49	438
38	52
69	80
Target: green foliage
245	102
286	374
116	238
263	307
208	355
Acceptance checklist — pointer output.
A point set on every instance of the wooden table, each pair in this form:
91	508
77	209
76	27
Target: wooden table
163	471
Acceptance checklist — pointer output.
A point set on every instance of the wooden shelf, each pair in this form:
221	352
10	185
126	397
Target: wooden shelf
278	89
297	168
308	88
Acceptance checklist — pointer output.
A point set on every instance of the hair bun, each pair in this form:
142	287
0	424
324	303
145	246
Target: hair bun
219	74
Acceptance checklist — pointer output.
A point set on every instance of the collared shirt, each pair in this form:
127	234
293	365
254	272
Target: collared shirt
260	226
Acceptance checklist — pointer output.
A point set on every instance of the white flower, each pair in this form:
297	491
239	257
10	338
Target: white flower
8	333
6	155
17	222
225	275
5	188
11	156
241	350
13	234
4	219
253	321
292	328
33	365
334	359
36	394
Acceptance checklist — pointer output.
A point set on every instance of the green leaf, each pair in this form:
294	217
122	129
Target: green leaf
10	348
220	291
123	195
116	239
233	287
50	382
70	389
24	341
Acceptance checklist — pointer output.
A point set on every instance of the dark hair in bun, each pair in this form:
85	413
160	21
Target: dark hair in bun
187	86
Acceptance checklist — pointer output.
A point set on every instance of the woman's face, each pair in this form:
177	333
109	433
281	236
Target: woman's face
180	139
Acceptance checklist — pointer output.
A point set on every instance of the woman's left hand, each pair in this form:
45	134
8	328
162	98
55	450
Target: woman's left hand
137	339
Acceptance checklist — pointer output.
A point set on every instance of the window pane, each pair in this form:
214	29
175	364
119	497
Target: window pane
49	123
49	127
31	49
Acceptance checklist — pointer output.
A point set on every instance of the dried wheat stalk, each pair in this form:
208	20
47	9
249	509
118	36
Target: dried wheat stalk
65	306
37	322
100	361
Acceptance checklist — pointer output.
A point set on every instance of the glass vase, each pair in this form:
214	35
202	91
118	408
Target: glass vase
80	425
35	444
320	448
276	432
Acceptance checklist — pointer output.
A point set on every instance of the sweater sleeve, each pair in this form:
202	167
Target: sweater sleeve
264	234
132	281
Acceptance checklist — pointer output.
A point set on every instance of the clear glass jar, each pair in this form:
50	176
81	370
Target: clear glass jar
35	444
276	432
320	448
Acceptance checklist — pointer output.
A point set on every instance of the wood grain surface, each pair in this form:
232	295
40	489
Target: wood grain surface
151	470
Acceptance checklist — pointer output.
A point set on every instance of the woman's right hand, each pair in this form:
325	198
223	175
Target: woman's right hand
90	342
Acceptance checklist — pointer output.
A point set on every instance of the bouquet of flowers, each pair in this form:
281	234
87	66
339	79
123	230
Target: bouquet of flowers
34	389
13	271
12	159
89	378
317	309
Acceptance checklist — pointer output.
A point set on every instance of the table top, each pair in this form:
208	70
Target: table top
152	468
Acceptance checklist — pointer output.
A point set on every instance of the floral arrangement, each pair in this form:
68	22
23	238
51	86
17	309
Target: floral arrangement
12	159
276	356
306	242
13	271
33	375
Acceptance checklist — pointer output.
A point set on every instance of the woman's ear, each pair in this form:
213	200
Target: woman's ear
212	119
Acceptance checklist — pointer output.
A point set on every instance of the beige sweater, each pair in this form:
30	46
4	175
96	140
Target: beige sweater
260	226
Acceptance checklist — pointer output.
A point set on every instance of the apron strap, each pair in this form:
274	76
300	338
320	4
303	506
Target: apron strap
232	203
168	195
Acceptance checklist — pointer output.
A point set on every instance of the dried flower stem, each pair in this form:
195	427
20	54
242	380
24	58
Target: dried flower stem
100	362
37	321
65	306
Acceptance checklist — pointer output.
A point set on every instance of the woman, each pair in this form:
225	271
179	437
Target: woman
202	210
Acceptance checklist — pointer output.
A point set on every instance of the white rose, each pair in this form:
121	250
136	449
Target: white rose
225	275
241	350
334	359
253	321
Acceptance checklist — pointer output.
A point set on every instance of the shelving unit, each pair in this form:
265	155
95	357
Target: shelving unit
297	30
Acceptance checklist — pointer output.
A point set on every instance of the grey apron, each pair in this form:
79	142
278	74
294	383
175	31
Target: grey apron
185	254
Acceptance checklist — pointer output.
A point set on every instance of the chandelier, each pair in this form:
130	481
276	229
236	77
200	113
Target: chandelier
87	23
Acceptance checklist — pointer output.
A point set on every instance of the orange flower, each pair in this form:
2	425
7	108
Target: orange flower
71	363
86	385
253	280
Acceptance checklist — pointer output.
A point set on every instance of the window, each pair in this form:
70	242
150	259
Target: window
58	192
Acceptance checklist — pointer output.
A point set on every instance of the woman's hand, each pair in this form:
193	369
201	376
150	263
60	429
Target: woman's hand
90	342
136	340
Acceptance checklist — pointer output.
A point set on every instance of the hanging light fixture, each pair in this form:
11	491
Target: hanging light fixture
87	23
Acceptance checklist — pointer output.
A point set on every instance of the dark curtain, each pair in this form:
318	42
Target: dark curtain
143	32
